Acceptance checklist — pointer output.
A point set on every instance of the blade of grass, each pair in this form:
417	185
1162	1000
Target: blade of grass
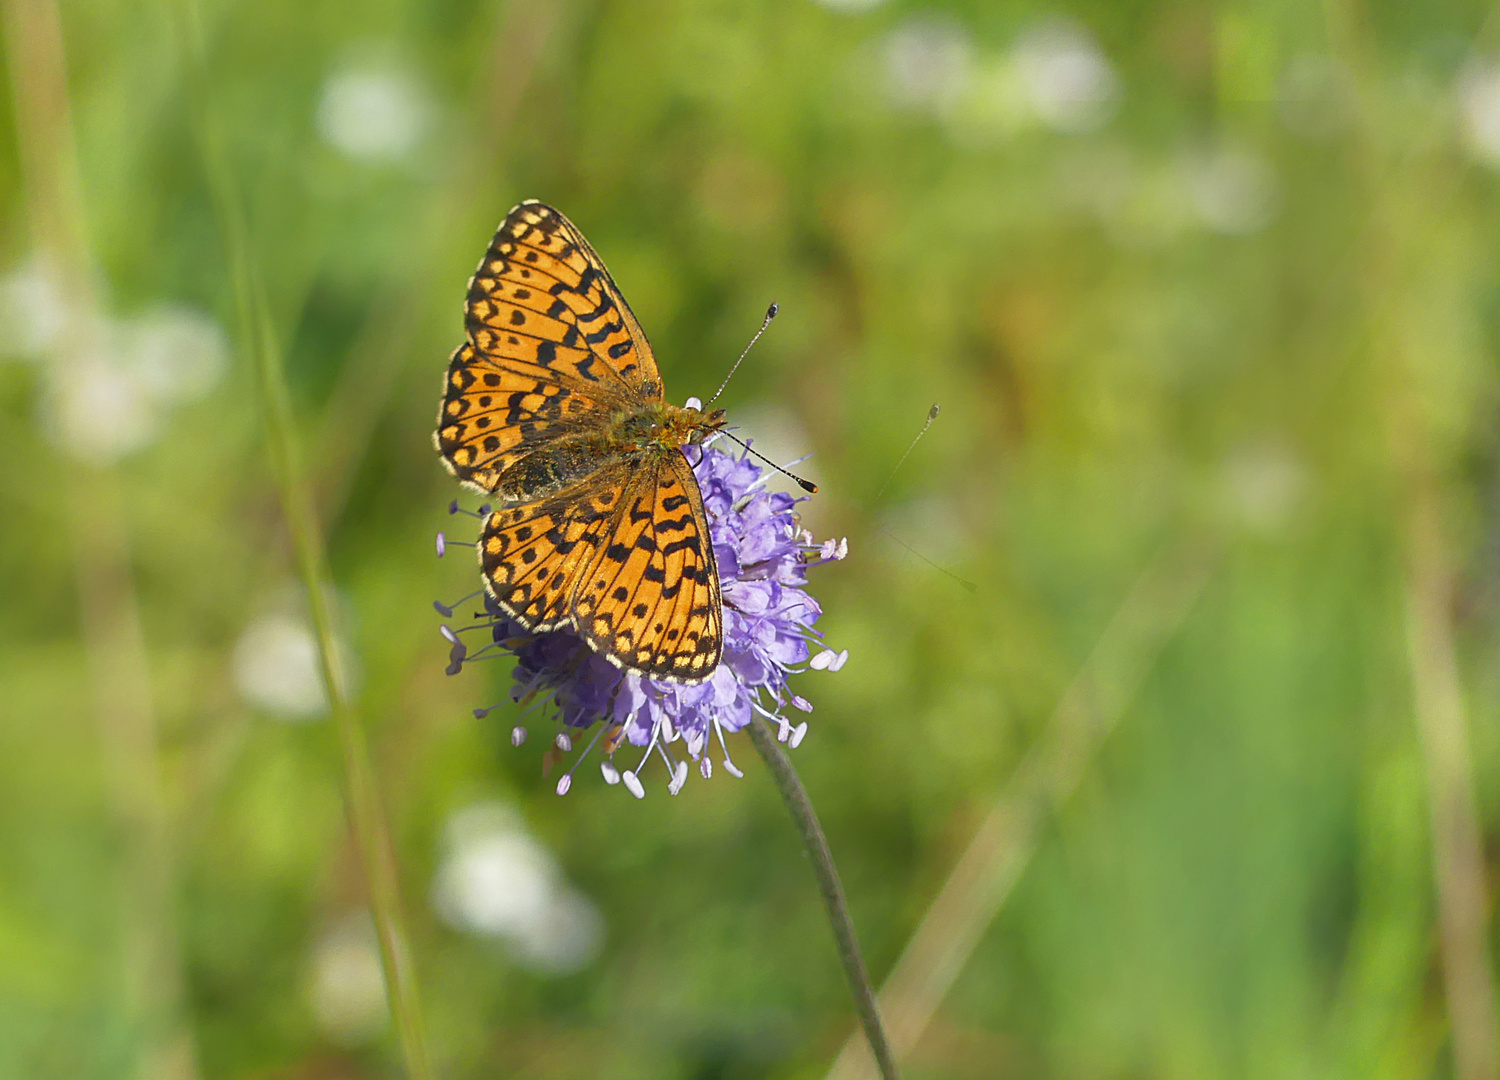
362	799
109	609
1398	237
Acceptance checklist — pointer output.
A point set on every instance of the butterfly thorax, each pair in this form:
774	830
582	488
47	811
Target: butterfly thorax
658	426
637	437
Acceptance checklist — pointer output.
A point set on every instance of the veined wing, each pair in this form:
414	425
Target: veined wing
543	296
649	600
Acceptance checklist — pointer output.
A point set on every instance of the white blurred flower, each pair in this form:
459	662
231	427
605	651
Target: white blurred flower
851	6
1232	189
33	311
1263	485
345	983
97	411
374	113
1479	107
175	354
276	665
927	62
1071	83
497	881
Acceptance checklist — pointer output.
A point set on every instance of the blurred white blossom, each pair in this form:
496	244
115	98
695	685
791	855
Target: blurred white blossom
174	353
851	6
927	62
345	983
107	383
98	411
33	311
276	665
1232	189
1071	84
373	112
1479	108
498	881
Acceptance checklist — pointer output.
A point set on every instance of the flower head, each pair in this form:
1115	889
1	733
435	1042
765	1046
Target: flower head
763	555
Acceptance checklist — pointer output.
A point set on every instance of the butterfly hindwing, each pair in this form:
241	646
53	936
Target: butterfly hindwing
650	599
542	295
532	554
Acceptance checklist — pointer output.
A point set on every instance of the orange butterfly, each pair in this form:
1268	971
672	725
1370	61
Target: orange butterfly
554	405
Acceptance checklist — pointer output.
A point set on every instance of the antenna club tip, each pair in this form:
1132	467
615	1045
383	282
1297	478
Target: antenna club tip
932	413
772	311
808	486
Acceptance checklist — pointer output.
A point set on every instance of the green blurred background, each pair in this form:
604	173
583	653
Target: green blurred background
1196	578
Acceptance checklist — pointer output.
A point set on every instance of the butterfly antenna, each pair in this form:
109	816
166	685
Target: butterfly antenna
806	485
964	583
932	414
770	314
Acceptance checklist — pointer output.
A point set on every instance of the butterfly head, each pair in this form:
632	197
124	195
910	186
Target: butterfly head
693	425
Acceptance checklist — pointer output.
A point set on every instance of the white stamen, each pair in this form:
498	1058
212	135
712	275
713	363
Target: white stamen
798	733
565	783
705	768
732	769
517	735
442	545
447	632
679	777
563	742
828	660
633	784
611	774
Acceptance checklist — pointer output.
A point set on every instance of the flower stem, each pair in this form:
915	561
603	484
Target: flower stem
362	797
795	797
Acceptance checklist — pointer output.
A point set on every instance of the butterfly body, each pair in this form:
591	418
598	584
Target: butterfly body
554	405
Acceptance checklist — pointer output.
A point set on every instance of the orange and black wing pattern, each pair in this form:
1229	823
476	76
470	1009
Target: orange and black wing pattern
650	599
543	296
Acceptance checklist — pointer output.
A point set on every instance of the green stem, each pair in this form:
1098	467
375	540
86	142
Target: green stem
795	797
362	798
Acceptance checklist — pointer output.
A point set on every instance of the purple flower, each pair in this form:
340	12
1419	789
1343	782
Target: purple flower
763	555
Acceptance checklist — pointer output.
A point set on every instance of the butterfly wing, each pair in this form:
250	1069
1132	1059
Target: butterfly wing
542	295
649	600
553	348
533	554
496	411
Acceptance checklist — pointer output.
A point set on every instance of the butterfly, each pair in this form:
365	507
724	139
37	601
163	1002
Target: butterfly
554	406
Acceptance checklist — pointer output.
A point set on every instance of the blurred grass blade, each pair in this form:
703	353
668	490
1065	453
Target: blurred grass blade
997	854
109	608
1398	238
366	815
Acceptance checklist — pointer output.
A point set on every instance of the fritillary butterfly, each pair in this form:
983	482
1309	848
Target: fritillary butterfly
554	405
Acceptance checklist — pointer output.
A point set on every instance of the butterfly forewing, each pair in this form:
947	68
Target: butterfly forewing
497	410
541	282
